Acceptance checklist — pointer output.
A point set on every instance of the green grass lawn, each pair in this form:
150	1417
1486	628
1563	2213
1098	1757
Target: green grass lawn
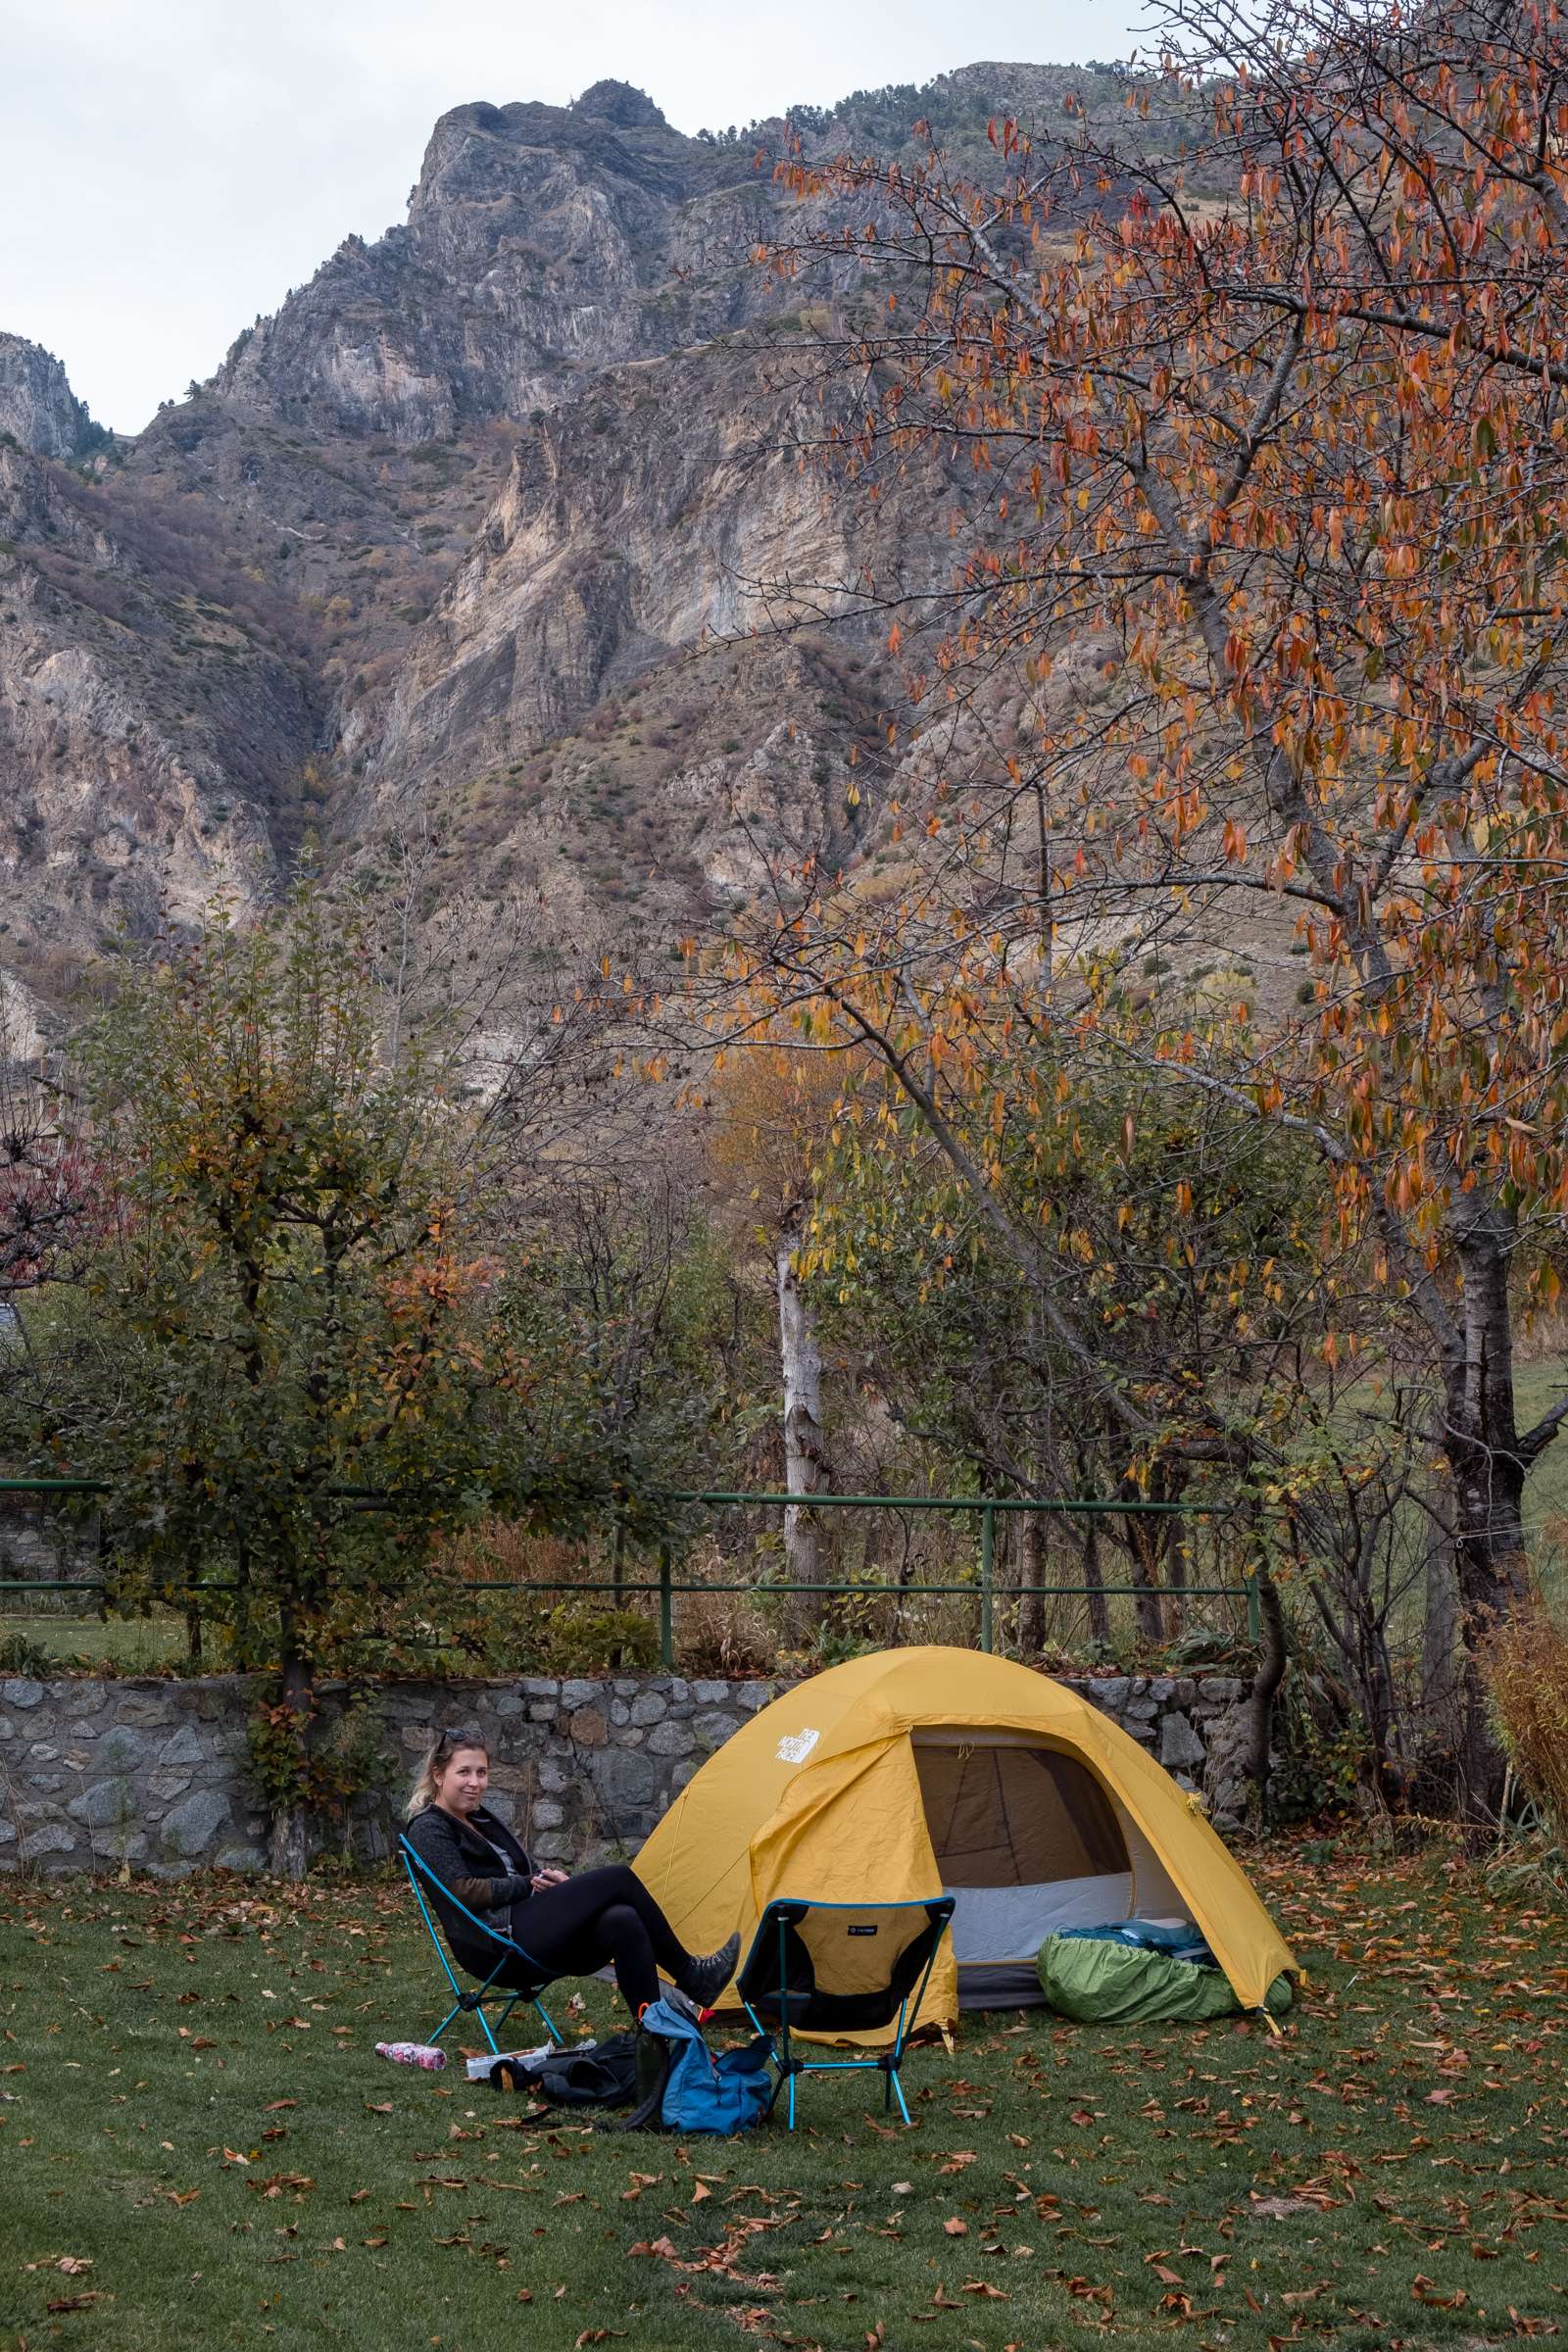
198	2146
135	1644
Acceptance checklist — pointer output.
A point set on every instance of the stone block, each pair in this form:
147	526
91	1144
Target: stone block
184	1748
554	1847
8	1729
1227	1688
47	1837
85	1698
677	1691
631	1738
166	1786
246	1859
188	1831
1178	1743
625	1686
712	1727
650	1707
1162	1689
40	1752
541	1710
588	1726
8	1835
21	1691
685	1771
547	1814
540	1687
671	1739
753	1697
145	1709
51	1782
580	1694
623	1782
121	1749
552	1776
511	1705
1139	1711
710	1693
1184	1690
1112	1693
620	1714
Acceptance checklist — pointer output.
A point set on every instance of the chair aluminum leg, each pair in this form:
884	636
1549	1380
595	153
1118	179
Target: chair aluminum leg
898	2087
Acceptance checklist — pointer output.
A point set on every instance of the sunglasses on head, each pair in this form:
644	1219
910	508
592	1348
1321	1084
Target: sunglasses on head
462	1738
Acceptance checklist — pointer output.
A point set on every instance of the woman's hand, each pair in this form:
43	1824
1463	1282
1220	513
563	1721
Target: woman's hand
545	1878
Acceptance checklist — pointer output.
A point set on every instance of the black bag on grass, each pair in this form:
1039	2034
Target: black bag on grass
600	2074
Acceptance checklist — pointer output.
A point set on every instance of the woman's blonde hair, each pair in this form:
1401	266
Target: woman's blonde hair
443	1746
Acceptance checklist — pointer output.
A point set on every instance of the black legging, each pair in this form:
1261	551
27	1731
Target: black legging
601	1915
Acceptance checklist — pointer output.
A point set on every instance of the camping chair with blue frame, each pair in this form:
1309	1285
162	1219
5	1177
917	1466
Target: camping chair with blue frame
841	1968
508	1949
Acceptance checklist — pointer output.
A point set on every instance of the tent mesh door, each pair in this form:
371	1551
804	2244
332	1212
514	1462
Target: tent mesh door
1012	1815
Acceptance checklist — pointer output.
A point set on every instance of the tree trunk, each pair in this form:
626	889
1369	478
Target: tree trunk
805	1468
291	1823
1033	1560
1442	1666
1265	1682
1481	1444
1147	1604
1094	1583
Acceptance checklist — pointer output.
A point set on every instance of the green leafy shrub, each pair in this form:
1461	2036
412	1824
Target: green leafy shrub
20	1655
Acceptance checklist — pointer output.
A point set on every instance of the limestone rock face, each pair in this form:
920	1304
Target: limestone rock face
37	408
150	731
486	526
540	241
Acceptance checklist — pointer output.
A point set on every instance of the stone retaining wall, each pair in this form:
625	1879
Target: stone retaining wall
155	1773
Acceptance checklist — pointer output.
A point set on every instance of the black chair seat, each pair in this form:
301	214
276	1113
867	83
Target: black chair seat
838	1969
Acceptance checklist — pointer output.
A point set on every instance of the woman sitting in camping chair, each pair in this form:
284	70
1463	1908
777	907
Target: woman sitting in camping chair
569	1927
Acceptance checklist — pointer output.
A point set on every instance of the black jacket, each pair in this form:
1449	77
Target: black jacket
466	1868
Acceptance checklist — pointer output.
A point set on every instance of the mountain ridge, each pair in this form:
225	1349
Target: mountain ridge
481	489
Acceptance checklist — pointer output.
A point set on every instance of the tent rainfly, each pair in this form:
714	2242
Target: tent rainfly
911	1771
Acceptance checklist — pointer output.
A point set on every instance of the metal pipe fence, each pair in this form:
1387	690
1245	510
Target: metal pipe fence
667	1586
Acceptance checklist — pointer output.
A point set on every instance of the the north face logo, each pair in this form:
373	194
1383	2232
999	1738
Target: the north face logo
796	1746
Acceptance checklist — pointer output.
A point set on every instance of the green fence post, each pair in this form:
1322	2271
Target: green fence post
666	1611
988	1556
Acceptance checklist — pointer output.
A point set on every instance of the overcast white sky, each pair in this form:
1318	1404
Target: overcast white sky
170	167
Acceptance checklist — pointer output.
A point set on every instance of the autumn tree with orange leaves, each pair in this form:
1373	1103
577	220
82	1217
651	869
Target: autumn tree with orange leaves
1256	644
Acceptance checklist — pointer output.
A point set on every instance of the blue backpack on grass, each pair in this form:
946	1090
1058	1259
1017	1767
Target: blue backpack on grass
703	2092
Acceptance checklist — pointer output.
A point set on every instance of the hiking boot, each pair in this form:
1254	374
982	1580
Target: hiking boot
702	1981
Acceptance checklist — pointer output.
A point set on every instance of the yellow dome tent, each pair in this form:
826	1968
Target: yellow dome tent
911	1771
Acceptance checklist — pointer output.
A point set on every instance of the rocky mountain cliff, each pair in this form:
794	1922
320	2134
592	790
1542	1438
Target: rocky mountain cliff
470	534
39	410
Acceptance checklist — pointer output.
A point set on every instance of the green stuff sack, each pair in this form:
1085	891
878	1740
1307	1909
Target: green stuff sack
1102	1983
